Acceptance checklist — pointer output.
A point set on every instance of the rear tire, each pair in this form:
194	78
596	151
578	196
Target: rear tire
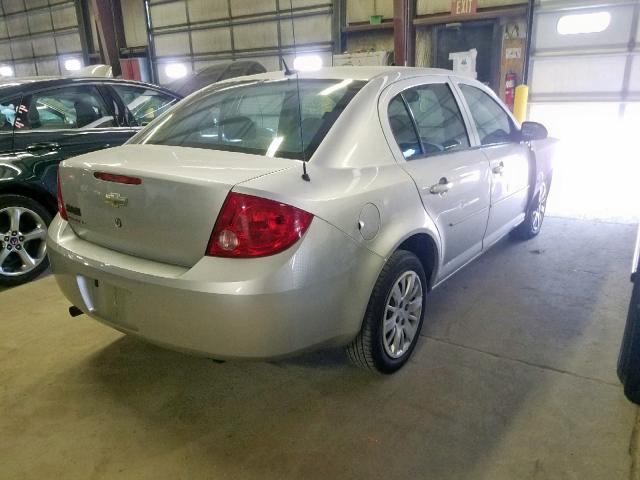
535	216
23	232
394	316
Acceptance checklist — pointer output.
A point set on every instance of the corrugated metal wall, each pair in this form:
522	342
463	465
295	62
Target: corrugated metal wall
203	32
36	36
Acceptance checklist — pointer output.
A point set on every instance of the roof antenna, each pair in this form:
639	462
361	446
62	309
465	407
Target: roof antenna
305	175
287	71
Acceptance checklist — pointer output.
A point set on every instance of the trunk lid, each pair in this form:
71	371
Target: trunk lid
169	216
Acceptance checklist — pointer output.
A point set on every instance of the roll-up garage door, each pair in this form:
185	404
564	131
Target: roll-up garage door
37	37
585	51
200	33
585	86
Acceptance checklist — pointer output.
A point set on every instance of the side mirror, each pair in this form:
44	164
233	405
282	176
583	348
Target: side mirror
533	131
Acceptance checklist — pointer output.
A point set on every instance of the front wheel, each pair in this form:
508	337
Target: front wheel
23	233
394	316
535	216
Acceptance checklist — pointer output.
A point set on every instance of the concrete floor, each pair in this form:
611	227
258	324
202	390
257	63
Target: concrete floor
514	378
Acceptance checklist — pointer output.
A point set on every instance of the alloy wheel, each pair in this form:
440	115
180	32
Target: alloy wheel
402	314
22	241
538	213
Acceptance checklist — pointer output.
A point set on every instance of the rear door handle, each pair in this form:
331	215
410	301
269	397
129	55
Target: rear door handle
498	169
440	188
36	147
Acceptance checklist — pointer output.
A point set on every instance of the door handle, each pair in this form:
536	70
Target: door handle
36	147
498	169
440	188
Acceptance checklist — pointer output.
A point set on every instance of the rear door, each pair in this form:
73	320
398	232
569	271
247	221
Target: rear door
63	122
509	160
436	149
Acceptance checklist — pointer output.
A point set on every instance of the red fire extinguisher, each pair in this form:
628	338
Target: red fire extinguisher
510	89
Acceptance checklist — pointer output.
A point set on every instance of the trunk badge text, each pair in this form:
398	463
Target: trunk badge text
116	200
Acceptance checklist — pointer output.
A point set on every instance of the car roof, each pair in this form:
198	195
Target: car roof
16	85
354	73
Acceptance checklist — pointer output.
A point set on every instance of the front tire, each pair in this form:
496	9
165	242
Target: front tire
535	216
23	233
394	316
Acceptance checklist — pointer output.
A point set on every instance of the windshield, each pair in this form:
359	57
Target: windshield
262	117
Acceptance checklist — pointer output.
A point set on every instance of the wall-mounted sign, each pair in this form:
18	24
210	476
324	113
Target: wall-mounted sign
464	7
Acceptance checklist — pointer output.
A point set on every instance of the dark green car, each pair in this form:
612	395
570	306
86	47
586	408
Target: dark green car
44	121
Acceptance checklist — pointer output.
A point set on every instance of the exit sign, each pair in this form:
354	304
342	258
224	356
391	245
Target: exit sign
464	7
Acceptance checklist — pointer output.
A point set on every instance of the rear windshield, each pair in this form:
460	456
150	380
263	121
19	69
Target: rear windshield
259	117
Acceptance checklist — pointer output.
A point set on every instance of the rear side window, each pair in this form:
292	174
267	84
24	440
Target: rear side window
10	114
143	104
77	107
403	128
492	122
263	117
437	118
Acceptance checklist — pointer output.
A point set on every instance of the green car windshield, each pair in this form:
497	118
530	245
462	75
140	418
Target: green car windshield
258	117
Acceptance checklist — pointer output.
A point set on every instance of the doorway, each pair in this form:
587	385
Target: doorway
484	36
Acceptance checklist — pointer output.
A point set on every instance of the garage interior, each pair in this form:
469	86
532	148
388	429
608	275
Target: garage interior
514	375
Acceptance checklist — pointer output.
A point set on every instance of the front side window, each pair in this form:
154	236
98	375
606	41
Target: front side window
259	117
492	122
143	104
78	107
437	118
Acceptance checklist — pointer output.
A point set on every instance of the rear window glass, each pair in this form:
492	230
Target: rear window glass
263	117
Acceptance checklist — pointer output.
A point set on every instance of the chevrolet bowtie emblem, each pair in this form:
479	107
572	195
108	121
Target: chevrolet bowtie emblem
116	200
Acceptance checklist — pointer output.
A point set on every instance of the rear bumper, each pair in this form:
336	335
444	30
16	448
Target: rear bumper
314	294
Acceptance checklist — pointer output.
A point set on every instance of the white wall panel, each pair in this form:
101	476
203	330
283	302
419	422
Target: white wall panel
43	46
48	67
31	4
204	10
25	69
69	43
211	40
168	14
308	30
172	44
39	21
252	7
5	51
13	6
21	48
260	35
17	26
3	28
64	17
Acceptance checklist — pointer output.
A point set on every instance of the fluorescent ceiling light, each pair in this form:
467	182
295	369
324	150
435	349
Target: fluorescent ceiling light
175	70
336	87
6	71
307	63
584	23
72	64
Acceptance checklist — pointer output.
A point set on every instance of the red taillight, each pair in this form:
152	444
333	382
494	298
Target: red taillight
110	177
61	209
249	226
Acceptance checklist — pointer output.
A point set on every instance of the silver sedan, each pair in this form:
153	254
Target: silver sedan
277	213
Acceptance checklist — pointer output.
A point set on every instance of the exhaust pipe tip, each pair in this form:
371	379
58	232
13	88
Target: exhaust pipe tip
75	311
